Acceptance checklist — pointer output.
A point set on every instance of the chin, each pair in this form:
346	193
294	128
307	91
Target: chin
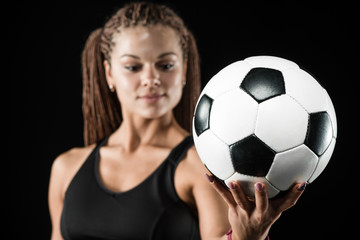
154	114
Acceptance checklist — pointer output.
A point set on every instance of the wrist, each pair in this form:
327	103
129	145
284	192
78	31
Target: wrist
229	235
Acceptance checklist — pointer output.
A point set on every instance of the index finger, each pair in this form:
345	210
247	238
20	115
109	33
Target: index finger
261	197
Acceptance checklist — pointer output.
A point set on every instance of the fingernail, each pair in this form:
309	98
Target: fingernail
209	178
259	187
232	185
302	187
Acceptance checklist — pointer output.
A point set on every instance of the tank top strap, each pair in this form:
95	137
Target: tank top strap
174	157
95	151
178	153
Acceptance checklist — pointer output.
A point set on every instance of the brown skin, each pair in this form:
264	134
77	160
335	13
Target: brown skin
254	217
147	69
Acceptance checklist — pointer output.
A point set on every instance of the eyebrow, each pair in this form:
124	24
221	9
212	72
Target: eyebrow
129	55
166	54
137	57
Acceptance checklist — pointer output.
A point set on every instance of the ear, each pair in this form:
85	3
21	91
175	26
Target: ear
109	79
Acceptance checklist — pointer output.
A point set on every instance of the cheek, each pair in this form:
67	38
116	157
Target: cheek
125	88
174	78
175	88
125	82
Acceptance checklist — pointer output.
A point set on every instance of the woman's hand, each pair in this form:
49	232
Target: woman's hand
252	218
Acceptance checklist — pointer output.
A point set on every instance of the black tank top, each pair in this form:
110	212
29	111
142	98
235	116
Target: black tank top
151	210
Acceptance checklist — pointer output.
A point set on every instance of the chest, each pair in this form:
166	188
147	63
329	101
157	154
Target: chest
146	207
152	206
120	172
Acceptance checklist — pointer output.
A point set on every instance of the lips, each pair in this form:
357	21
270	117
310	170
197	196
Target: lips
151	98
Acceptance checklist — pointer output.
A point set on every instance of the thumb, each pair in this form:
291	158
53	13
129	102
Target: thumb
289	200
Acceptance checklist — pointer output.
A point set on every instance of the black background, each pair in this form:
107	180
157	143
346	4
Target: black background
43	94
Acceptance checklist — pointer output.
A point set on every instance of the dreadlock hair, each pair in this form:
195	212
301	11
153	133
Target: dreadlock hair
101	107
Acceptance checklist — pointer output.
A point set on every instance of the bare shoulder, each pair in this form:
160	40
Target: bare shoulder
192	169
71	159
193	161
66	165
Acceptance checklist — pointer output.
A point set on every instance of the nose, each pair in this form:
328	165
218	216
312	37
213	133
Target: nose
150	77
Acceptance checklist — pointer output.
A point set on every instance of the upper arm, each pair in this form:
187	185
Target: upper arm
63	170
56	195
212	209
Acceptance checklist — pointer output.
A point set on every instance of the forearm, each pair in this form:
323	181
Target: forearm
229	236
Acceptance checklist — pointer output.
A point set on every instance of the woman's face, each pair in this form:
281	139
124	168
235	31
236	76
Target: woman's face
147	70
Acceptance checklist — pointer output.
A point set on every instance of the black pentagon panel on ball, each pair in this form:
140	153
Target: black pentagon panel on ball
202	114
319	133
251	156
263	83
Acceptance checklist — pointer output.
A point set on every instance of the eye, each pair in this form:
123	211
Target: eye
132	68
166	66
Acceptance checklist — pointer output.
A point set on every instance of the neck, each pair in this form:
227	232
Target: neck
136	131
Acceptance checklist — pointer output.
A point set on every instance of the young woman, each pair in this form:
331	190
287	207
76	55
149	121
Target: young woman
139	176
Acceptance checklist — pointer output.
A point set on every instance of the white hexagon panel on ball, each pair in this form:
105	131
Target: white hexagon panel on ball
282	123
233	116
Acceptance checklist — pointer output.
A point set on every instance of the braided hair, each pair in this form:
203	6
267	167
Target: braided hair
101	107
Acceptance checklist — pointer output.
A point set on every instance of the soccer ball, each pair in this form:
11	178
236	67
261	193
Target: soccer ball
266	120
